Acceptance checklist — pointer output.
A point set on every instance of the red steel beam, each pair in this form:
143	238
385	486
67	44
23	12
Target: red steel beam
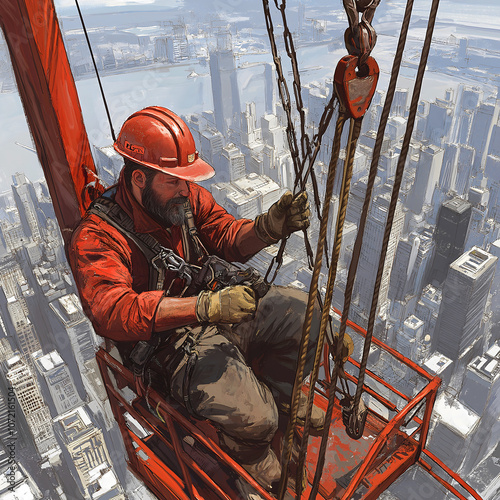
51	105
390	350
451	473
384	435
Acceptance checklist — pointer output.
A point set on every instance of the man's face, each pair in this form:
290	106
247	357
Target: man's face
163	197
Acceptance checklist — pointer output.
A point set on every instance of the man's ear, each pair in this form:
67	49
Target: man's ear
139	178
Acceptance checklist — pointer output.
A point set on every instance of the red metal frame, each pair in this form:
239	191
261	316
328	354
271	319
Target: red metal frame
375	473
51	106
453	475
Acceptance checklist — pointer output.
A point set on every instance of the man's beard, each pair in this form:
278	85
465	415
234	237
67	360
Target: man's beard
170	214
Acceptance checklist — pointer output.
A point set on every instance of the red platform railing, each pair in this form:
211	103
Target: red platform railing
369	474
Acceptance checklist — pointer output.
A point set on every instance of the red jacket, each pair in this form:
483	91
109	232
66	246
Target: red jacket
111	273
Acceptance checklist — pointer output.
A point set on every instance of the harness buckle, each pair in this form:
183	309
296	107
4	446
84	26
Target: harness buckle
167	259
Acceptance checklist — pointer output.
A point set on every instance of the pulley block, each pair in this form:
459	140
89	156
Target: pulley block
353	419
355	88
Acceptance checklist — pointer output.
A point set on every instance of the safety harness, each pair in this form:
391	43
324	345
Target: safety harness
160	259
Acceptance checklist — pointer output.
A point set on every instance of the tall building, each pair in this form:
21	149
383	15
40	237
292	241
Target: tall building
482	380
410	337
86	452
69	313
232	163
225	91
270	89
400	102
248	196
465	161
36	412
404	263
448	175
422	261
61	393
465	292
485	119
29	211
177	44
109	164
370	253
450	235
426	178
454	426
17	483
427	308
439	121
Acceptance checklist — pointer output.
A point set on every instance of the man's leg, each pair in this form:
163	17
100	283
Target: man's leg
270	341
225	390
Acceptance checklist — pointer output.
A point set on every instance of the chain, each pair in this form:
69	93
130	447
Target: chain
306	147
325	120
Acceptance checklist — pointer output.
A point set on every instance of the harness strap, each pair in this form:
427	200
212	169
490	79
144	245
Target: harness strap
191	230
107	209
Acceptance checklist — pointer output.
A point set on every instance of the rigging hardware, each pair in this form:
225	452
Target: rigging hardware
307	152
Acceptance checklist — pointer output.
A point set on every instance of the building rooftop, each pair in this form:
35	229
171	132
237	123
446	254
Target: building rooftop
74	418
49	361
474	262
455	415
488	365
457	204
437	363
413	322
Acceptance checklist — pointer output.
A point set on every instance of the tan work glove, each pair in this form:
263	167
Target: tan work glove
230	305
286	216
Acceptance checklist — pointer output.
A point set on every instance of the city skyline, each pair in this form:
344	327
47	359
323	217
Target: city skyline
453	162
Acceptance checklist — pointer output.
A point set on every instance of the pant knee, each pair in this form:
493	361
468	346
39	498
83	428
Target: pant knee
262	425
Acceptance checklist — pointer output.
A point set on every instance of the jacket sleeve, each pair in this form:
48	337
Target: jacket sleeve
101	262
217	229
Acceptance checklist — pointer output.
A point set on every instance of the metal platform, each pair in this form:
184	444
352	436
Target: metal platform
179	457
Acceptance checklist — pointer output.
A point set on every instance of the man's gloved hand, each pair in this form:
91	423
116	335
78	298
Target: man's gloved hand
230	305
286	216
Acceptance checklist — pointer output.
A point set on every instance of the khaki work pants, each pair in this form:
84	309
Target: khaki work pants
244	372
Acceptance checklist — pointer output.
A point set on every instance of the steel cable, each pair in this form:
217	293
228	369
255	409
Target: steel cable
354	131
395	193
374	166
392	207
313	291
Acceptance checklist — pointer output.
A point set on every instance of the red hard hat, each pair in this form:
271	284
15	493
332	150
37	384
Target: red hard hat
157	138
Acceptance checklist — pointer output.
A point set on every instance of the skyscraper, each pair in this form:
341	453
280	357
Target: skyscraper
225	92
27	206
485	119
61	393
426	177
232	164
450	235
465	292
35	410
370	253
86	452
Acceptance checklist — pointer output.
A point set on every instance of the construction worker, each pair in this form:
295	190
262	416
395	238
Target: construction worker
246	349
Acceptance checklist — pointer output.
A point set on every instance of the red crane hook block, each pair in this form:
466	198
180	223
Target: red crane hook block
355	89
